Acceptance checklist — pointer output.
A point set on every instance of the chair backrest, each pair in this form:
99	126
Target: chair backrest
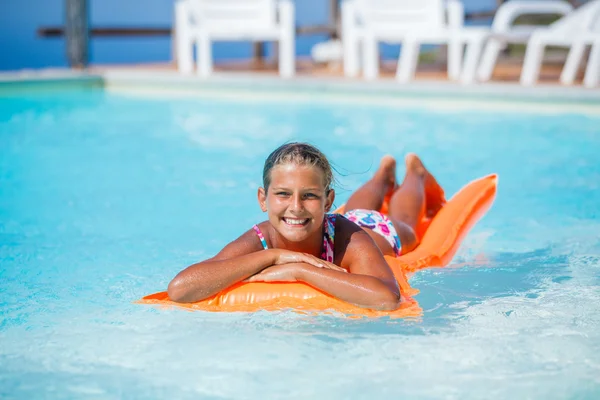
510	11
234	14
402	14
584	18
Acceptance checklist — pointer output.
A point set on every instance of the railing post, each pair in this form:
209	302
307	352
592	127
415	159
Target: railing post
334	18
76	31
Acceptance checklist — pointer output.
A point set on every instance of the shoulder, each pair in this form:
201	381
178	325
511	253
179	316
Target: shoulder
358	253
248	242
350	237
344	227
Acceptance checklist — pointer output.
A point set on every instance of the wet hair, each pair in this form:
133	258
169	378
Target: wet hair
299	154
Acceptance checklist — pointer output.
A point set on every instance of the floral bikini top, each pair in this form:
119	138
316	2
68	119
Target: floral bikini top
328	237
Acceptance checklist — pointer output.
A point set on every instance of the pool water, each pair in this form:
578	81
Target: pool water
104	197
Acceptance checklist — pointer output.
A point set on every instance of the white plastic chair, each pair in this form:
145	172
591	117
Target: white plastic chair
407	22
575	31
503	31
200	22
592	72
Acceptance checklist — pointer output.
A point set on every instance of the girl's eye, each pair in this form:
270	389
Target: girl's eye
288	194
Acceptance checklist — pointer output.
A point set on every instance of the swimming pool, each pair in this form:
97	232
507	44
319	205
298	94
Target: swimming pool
105	196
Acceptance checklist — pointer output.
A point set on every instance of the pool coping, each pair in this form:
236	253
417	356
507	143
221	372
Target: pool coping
256	84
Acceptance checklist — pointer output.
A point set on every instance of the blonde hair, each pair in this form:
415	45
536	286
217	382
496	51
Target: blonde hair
299	154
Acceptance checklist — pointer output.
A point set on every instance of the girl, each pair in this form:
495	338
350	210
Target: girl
301	242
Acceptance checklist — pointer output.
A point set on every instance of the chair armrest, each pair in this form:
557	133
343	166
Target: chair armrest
508	12
456	14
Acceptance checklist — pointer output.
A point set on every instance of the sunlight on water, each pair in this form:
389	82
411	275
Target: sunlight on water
104	198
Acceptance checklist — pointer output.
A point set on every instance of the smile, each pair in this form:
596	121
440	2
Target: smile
296	221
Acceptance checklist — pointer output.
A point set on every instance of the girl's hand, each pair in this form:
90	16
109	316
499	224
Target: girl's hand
287	256
277	273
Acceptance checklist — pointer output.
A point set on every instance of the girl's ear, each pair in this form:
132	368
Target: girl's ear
262	199
329	200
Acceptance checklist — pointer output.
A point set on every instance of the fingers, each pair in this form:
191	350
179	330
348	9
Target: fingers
317	262
260	277
312	260
288	257
334	267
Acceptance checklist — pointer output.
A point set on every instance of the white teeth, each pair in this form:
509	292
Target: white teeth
295	221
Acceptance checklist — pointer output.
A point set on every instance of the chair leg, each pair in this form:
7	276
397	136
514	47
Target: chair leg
455	55
569	72
205	62
350	42
472	56
533	60
184	43
488	60
287	44
287	57
351	50
592	71
370	57
407	63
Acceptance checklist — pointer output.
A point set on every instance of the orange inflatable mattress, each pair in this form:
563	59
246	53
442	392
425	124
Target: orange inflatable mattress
440	238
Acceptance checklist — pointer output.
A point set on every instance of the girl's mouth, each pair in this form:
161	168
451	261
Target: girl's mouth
296	221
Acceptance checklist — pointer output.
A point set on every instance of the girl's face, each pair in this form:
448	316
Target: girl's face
296	201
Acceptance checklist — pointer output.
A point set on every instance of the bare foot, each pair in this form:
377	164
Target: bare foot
434	194
387	172
413	163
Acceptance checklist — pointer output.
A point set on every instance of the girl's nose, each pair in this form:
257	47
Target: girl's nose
296	204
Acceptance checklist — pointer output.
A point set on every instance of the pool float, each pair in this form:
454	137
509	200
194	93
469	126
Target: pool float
440	239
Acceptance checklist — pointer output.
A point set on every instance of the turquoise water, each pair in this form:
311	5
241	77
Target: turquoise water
105	197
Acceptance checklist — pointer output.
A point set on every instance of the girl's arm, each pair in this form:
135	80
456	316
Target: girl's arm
237	261
370	283
359	289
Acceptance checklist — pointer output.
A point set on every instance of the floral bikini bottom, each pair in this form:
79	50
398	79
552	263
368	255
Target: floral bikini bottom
377	222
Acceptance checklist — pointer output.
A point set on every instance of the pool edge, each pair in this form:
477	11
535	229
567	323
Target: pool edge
335	89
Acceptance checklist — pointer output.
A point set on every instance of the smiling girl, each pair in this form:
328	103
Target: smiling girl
341	255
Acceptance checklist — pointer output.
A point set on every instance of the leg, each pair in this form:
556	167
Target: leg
488	59
370	56
184	44
350	40
455	56
534	55
592	71
408	60
205	61
569	72
418	195
287	52
370	196
473	53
